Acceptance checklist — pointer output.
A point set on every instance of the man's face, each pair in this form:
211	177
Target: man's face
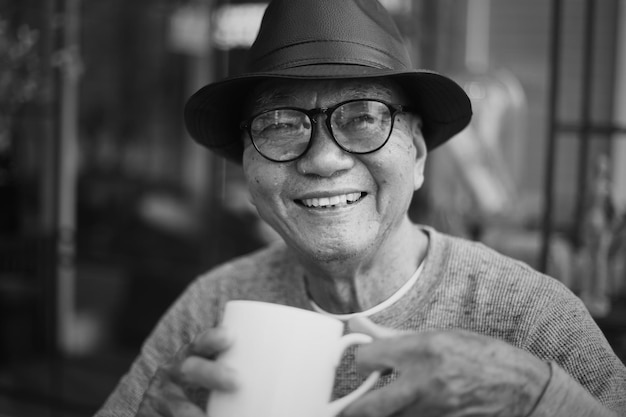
330	204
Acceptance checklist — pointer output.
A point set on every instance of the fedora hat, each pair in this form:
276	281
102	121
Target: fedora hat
325	39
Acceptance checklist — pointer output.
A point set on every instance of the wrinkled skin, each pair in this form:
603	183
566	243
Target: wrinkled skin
192	368
354	255
447	374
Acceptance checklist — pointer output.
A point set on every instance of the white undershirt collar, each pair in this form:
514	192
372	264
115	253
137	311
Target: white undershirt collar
379	307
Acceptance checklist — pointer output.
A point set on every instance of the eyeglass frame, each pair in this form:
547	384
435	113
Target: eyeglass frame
312	114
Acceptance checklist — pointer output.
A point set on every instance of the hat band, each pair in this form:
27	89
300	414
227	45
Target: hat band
328	52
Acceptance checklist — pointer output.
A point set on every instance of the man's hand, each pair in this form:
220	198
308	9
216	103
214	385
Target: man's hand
447	373
192	367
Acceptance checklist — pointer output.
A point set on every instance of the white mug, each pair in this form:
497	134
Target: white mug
285	359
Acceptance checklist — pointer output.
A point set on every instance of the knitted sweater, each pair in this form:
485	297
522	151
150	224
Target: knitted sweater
463	285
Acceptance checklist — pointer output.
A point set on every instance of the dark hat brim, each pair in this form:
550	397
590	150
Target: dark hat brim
213	114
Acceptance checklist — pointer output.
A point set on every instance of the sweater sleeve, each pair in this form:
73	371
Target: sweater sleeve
564	397
179	325
586	371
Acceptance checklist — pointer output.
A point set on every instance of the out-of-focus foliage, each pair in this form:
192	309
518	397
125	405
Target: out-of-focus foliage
19	74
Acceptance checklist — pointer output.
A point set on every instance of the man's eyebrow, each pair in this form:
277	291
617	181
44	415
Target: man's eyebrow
273	96
367	89
361	90
266	98
279	93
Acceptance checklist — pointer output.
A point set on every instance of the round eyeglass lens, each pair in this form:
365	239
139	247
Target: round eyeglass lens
361	126
281	134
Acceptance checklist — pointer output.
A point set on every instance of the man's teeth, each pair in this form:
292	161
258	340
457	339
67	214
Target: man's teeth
332	201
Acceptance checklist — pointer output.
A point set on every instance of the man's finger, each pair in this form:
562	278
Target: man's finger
165	398
178	405
378	355
211	342
186	409
389	353
385	401
209	374
359	324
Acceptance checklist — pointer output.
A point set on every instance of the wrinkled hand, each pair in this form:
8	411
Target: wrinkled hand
446	373
192	367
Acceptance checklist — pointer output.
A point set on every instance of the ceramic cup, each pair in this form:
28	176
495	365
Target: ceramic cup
285	359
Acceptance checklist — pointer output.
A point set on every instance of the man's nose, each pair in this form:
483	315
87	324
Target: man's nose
324	157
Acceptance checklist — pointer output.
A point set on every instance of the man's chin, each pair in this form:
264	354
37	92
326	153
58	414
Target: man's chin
332	253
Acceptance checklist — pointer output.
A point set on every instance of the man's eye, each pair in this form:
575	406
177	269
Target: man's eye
361	121
277	130
364	118
281	126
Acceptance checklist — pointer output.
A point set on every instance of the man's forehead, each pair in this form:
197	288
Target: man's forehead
277	91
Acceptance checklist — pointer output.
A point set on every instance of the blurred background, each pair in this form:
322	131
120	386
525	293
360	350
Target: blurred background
108	210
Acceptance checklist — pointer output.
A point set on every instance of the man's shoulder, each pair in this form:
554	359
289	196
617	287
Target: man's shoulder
463	250
476	259
482	282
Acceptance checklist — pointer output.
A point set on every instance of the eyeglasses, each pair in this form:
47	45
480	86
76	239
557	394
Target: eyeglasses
357	126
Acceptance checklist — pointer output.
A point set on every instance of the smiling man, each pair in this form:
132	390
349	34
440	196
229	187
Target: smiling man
338	188
332	127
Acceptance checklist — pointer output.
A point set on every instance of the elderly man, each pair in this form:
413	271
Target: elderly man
332	127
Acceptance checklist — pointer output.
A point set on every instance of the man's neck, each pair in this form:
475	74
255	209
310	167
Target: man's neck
353	285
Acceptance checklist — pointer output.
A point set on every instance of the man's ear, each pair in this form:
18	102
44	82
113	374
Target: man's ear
421	152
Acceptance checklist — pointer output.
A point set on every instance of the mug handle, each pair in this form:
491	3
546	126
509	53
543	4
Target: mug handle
335	407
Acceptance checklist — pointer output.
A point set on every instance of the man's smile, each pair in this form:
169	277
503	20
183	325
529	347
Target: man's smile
332	201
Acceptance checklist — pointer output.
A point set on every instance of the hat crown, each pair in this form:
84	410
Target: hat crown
297	33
